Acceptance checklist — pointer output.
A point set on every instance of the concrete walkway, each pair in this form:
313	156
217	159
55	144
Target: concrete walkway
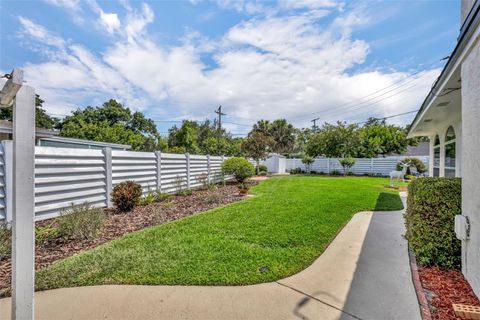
363	274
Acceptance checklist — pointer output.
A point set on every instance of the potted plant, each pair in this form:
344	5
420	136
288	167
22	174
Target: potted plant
243	188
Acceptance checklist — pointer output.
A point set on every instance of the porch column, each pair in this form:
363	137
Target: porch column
442	154
458	149
432	155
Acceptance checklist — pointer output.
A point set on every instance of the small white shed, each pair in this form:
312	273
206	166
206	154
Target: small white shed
276	163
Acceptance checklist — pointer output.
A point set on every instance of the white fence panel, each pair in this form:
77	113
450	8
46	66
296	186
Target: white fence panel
138	166
68	176
378	166
174	172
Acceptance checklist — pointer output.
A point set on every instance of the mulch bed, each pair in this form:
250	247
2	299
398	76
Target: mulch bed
443	288
118	224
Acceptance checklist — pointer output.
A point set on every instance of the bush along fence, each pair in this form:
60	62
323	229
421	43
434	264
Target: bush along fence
75	176
374	166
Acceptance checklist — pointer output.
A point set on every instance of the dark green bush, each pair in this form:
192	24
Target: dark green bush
296	171
262	167
5	241
413	162
432	206
240	168
80	222
126	195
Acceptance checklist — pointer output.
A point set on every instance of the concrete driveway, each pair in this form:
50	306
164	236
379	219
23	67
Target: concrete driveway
363	274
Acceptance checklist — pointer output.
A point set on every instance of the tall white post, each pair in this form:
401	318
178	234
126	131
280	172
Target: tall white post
431	158
442	156
107	152
23	241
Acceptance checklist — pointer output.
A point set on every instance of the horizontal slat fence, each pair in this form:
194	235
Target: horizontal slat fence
377	166
65	176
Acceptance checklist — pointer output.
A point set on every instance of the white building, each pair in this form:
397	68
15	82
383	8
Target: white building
450	116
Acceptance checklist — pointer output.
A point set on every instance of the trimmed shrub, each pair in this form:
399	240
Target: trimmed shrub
295	171
126	195
240	168
347	163
80	222
262	167
307	161
335	173
5	241
429	219
414	162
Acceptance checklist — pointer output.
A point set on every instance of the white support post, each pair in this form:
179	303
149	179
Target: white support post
158	155
107	152
371	166
328	165
8	169
187	157
431	159
23	241
208	170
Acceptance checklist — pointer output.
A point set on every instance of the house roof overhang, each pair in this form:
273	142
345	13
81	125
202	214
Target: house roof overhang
443	102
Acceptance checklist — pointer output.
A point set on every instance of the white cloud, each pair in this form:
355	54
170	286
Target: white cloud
267	66
309	4
73	7
110	21
40	34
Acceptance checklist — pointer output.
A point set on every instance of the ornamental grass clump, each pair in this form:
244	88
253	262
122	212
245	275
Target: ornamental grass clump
5	241
126	195
429	219
80	222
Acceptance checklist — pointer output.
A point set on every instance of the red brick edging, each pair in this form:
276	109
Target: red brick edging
422	299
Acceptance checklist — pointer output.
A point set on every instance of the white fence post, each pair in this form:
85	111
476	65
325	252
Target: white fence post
8	170
23	237
107	152
158	155
371	166
208	169
187	157
328	165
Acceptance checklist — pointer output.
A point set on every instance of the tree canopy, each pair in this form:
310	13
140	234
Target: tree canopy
112	122
374	138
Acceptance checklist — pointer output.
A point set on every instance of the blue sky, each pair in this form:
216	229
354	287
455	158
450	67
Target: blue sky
178	60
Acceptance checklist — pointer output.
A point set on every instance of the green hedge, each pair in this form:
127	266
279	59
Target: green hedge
432	206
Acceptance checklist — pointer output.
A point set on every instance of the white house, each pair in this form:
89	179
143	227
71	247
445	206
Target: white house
450	116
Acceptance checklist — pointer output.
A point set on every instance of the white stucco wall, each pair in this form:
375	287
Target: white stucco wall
471	163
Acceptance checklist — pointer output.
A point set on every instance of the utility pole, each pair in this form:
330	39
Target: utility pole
219	133
314	127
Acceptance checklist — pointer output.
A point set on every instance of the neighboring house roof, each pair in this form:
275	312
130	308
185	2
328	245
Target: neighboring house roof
448	79
87	142
423	149
51	135
6	127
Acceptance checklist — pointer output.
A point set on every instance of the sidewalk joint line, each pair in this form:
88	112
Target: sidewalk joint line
319	300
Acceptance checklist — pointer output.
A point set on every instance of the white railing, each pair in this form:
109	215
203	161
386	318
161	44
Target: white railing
376	166
73	176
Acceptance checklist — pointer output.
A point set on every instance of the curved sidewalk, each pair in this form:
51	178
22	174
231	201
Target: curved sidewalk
363	274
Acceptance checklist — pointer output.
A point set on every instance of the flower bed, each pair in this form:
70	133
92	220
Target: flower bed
118	224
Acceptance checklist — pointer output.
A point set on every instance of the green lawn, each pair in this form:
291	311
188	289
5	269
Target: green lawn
284	228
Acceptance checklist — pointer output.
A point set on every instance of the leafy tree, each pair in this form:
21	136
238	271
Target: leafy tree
379	138
347	163
334	141
283	135
302	136
281	132
42	119
112	122
308	161
256	146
